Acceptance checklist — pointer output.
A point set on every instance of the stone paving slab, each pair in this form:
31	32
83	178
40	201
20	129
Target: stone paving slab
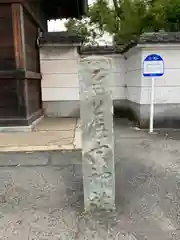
56	124
49	134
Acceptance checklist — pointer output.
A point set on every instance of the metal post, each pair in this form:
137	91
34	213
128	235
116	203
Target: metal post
152	107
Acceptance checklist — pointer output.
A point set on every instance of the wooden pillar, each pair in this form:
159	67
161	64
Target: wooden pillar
19	52
18	35
20	78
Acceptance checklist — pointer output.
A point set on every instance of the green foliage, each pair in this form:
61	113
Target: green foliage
74	25
100	19
166	14
132	20
128	19
85	28
101	14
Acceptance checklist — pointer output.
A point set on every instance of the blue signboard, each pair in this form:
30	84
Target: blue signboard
153	66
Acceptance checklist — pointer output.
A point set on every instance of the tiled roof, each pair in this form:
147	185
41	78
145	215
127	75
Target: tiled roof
154	38
160	37
146	38
60	37
99	50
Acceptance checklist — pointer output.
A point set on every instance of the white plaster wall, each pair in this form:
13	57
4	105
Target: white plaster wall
59	68
133	68
167	87
60	83
118	77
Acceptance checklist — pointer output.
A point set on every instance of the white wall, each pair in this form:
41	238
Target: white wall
60	65
60	81
133	60
167	87
59	68
118	77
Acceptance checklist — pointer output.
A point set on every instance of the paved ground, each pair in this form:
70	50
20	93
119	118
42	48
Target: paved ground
49	134
42	198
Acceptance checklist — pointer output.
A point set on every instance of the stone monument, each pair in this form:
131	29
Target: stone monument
96	108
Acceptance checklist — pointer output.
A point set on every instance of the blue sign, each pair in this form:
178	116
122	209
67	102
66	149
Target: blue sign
153	66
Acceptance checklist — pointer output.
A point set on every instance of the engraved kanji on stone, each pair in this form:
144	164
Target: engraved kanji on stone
97	133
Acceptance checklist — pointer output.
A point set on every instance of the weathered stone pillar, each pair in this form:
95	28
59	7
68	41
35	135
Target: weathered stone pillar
97	133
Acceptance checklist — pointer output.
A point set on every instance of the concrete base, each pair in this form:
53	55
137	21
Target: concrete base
121	108
165	115
21	128
72	108
62	108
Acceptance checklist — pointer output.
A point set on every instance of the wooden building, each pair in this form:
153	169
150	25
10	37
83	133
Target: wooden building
21	22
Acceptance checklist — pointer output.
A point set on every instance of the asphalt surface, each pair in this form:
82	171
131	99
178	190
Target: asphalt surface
41	195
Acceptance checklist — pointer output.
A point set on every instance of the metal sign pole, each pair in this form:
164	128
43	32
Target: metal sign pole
153	66
152	107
